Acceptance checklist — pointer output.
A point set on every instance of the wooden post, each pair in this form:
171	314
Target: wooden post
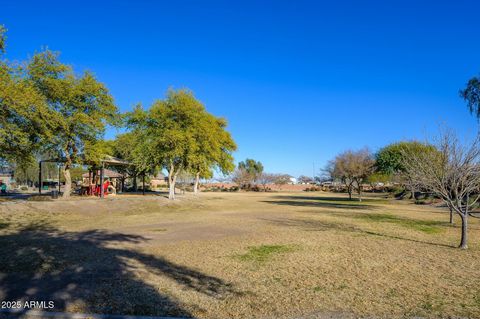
40	177
101	182
143	181
59	172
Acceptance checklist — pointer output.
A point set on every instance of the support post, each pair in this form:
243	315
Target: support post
59	172
101	181
40	177
90	190
143	181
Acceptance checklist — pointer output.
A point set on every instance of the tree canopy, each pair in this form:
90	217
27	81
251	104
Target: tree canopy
352	168
389	160
81	105
26	121
178	134
215	147
471	94
2	38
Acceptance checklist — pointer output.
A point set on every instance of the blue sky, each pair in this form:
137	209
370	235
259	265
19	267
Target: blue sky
298	81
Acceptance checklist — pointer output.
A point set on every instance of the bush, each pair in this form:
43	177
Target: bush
313	189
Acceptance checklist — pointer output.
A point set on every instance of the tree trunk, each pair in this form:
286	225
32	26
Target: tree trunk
412	196
463	242
172	178
195	185
451	215
135	185
359	192
68	181
349	189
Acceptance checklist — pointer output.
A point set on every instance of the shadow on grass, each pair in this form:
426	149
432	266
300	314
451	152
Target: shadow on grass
318	225
426	226
87	268
328	202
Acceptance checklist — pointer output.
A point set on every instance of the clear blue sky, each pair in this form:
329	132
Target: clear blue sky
299	81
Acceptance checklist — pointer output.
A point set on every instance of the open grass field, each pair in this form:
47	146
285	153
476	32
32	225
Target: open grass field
240	255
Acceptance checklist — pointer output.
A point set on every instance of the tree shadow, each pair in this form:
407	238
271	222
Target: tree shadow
327	202
318	225
86	271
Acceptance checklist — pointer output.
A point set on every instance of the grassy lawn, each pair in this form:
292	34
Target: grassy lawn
240	255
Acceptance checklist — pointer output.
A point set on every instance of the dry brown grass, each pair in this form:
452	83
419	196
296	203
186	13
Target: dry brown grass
240	255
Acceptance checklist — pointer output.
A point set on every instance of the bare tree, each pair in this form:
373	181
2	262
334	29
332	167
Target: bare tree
281	179
241	177
452	172
266	178
352	168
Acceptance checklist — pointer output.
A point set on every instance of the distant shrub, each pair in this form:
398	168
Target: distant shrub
255	188
313	189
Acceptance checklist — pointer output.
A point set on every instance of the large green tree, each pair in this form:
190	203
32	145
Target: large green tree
390	160
167	134
25	118
82	107
471	94
214	150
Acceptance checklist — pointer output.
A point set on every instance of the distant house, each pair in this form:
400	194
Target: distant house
293	181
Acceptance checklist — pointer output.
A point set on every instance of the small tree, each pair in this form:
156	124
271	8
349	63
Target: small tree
252	167
352	168
471	94
241	177
265	179
281	179
452	172
214	151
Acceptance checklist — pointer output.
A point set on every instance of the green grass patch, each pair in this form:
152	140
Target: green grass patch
159	229
263	253
319	289
426	226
